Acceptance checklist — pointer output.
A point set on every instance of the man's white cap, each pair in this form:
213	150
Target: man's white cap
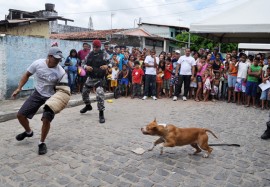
177	51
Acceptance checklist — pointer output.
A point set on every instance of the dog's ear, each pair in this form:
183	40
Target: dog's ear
155	120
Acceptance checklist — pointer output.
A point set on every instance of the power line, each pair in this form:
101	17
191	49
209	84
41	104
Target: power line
189	10
125	9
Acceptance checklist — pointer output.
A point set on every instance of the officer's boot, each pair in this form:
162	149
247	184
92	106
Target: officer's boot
266	134
86	108
101	117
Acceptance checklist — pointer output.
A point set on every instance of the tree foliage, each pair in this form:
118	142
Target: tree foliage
198	42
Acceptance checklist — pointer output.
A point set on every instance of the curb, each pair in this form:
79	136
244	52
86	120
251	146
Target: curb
9	115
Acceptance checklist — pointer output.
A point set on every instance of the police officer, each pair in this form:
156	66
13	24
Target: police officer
95	65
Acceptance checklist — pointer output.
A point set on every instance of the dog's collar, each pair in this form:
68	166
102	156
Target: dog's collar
166	130
163	124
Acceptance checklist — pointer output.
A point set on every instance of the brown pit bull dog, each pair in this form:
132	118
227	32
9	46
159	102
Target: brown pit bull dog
171	136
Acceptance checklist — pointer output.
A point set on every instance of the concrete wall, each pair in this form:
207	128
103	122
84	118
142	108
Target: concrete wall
39	29
18	52
59	28
3	72
127	41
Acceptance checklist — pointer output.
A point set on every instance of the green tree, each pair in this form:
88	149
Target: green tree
198	42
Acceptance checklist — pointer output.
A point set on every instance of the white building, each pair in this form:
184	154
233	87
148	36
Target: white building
168	32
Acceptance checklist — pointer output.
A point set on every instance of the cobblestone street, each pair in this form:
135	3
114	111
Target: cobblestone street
82	152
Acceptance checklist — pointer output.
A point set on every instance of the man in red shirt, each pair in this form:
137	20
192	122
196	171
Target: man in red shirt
82	54
137	75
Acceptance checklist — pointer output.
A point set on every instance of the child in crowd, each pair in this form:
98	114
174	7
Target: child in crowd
217	65
201	67
137	75
215	87
206	84
193	86
174	78
115	72
232	77
225	80
114	61
124	80
109	77
167	77
159	78
265	94
210	70
254	72
240	86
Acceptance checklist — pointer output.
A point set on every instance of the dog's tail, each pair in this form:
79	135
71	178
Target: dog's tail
207	130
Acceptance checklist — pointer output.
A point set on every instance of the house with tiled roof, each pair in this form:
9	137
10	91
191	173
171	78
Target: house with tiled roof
38	23
88	36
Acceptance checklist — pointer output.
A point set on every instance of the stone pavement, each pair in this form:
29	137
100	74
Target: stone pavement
82	152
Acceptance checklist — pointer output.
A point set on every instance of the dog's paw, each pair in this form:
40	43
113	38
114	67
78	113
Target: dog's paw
205	155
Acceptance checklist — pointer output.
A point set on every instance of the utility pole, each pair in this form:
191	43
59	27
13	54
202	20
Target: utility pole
189	40
140	20
112	14
90	24
135	20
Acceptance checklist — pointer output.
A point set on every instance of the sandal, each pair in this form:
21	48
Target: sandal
197	100
246	106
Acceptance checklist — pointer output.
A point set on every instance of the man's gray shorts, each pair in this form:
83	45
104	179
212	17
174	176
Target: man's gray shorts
32	104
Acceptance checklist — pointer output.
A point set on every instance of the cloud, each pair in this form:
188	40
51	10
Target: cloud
171	12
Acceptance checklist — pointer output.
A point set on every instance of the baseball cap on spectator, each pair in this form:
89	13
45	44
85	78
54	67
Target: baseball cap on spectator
177	51
97	43
55	52
54	44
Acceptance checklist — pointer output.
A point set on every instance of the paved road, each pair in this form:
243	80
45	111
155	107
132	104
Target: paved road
82	152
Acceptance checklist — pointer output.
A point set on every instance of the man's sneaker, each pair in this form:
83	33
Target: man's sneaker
154	97
23	135
184	98
144	97
174	98
266	134
42	149
86	108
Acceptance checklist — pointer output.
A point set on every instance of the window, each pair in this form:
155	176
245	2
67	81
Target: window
172	34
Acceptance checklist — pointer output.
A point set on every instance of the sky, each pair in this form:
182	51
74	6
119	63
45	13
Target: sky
118	14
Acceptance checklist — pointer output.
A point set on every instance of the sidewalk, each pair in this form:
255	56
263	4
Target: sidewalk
9	108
